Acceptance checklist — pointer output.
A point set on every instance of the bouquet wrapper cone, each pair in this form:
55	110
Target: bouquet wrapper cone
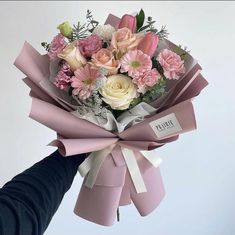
113	186
100	203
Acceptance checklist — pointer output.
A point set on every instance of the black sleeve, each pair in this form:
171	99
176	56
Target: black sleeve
29	201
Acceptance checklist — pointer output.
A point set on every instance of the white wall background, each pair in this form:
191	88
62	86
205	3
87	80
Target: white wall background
198	170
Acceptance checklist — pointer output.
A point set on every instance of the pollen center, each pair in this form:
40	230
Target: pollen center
88	81
135	64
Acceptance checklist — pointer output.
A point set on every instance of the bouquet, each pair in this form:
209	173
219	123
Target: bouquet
115	91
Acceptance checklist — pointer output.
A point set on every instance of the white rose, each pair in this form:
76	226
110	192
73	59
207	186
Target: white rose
118	91
104	31
73	56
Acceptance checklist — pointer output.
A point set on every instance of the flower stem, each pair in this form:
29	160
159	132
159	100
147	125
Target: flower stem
118	215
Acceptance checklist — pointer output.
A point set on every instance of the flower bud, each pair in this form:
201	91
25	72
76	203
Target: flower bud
129	22
148	44
66	30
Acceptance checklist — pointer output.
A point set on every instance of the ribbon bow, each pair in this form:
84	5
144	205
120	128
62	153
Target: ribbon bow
93	163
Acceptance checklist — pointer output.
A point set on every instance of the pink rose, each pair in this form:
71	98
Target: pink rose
90	45
104	59
147	80
57	45
171	63
123	40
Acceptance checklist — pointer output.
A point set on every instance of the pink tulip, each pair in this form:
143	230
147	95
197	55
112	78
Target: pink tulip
129	22
148	44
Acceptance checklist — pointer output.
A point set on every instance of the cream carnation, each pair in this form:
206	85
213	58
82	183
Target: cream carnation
104	31
118	91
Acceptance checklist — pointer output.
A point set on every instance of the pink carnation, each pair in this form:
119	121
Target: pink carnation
136	63
62	80
148	79
84	81
66	69
171	63
57	45
90	45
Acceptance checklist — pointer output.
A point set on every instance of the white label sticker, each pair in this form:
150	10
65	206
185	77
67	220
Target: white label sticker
165	126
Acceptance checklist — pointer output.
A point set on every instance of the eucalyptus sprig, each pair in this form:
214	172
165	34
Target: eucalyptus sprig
91	25
80	30
162	33
182	51
152	94
155	92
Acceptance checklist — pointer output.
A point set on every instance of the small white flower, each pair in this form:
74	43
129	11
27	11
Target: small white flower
104	31
100	82
103	71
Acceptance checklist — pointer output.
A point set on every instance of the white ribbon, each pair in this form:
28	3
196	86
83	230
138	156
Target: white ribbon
94	161
92	165
134	170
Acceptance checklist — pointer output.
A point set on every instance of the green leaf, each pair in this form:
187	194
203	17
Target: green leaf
140	19
94	22
70	91
143	28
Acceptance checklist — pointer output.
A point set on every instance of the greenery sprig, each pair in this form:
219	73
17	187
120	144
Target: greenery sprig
182	51
45	45
149	27
155	92
91	25
80	31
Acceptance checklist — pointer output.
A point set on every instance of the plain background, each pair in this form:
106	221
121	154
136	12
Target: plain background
198	170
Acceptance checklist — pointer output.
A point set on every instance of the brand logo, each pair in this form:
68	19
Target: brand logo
165	126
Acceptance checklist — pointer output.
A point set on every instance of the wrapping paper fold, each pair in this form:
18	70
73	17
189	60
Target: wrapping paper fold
113	186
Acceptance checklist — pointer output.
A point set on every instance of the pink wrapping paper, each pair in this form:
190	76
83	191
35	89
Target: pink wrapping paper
113	186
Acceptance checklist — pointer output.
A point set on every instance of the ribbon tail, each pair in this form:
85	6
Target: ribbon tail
94	163
154	184
152	158
134	170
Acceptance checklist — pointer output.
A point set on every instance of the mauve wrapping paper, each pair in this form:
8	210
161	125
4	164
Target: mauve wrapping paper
113	186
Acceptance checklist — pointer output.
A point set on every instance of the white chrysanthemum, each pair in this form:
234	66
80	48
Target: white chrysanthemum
104	31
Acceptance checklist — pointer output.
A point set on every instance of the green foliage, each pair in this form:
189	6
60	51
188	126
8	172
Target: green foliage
149	27
135	101
91	22
83	30
162	33
70	91
80	31
155	92
183	52
45	45
152	94
140	19
157	65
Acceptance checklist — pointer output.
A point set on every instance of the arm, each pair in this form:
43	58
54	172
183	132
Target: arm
29	201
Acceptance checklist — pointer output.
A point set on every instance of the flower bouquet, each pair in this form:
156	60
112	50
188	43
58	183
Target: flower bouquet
116	92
